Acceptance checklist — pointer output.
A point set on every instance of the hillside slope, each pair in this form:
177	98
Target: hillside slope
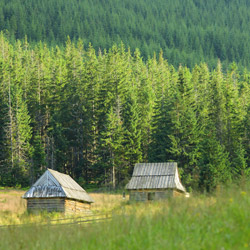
188	32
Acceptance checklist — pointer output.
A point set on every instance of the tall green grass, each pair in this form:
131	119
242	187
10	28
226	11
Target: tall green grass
220	221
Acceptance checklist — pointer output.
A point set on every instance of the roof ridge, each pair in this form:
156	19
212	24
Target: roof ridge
153	175
171	162
49	169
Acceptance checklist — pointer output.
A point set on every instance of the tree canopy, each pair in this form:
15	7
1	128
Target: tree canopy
94	115
188	32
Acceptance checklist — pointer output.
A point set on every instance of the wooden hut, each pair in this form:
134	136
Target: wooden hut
154	181
55	191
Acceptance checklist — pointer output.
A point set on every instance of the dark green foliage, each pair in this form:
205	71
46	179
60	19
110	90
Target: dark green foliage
215	165
94	116
4	152
132	130
38	158
188	33
185	130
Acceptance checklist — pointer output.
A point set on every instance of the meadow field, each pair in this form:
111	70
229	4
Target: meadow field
217	221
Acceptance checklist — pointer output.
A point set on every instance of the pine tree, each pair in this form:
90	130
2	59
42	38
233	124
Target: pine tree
163	83
21	138
4	152
217	103
185	130
38	158
113	140
239	162
215	164
161	130
132	131
146	101
235	113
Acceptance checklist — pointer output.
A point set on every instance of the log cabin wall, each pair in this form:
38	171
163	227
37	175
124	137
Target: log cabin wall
57	205
145	195
164	194
138	196
77	207
46	204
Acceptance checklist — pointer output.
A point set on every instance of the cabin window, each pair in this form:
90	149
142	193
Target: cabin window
151	196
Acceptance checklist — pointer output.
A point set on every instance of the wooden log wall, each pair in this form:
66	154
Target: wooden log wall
138	196
145	195
72	206
46	204
57	205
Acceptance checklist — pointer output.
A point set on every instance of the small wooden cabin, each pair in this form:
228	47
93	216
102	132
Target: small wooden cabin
58	192
155	181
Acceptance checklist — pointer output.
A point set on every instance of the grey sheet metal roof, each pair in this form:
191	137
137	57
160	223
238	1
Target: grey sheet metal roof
55	184
155	176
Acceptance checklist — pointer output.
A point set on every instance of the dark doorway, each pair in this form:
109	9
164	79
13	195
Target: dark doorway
151	196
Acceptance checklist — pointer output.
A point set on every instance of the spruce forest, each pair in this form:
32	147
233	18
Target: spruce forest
91	92
95	115
188	32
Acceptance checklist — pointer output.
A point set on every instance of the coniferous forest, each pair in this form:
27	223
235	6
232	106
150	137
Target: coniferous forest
94	115
188	32
90	88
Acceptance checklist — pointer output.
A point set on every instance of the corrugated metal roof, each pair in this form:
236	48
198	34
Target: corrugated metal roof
55	184
155	176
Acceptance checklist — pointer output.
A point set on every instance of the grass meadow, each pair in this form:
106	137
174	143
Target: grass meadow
218	221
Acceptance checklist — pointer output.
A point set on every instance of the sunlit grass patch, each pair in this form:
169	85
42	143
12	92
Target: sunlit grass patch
13	208
216	221
105	202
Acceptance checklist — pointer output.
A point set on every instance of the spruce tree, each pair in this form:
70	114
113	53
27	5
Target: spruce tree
132	131
215	164
113	140
185	130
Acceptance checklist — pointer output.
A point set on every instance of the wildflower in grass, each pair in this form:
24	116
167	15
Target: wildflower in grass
243	193
231	200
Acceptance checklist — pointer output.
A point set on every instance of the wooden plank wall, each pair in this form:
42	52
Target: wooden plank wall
142	195
72	206
45	204
138	196
57	205
164	194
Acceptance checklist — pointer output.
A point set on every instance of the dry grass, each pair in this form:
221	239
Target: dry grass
11	201
106	202
13	207
214	221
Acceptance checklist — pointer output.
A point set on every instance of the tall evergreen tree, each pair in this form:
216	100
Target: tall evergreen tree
215	164
185	130
132	131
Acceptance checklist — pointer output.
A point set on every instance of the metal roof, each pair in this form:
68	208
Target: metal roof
155	176
54	184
